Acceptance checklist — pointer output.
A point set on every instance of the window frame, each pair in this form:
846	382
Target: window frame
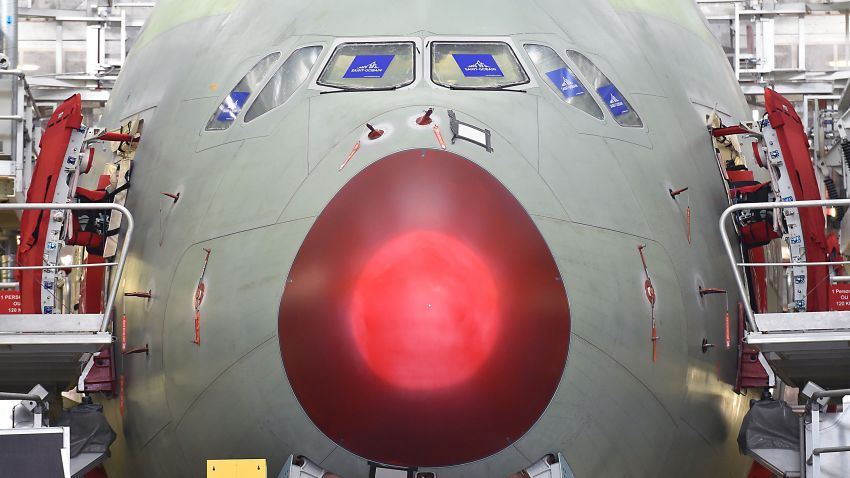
521	59
604	105
322	64
584	82
250	101
275	67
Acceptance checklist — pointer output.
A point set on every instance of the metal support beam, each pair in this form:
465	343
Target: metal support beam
60	59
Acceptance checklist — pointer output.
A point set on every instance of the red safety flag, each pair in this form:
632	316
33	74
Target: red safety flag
123	333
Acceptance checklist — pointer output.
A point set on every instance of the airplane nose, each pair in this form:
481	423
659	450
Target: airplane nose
424	321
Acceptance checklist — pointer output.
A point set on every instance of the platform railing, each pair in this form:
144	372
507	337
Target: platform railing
813	407
118	263
739	267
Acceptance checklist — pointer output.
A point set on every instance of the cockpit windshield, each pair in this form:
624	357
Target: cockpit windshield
232	105
475	65
562	79
616	102
370	66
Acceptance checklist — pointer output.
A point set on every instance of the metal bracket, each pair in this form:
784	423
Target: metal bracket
550	466
456	126
301	467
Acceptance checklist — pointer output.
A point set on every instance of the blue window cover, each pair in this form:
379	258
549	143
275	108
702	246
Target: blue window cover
566	82
369	66
477	65
612	97
232	105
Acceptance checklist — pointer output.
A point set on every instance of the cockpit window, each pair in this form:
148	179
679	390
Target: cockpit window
233	103
475	65
619	106
370	66
562	80
291	74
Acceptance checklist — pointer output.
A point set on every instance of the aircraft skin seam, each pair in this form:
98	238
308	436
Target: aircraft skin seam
220	374
621	365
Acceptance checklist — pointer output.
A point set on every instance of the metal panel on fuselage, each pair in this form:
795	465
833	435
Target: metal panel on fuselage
613	180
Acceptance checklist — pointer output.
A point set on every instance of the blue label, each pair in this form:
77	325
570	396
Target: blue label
615	101
477	65
232	105
369	66
565	81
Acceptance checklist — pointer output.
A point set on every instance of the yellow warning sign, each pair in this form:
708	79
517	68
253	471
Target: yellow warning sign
236	469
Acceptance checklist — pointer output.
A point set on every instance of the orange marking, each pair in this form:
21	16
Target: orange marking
728	332
654	343
123	333
197	327
439	136
199	297
121	395
651	297
354	151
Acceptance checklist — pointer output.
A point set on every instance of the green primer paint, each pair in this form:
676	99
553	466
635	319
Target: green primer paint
172	13
682	12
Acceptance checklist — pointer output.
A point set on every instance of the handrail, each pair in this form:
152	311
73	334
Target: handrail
828	394
813	408
730	253
829	449
125	244
57	266
42	407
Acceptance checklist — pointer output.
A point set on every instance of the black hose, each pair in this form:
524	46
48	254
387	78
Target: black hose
845	151
832	190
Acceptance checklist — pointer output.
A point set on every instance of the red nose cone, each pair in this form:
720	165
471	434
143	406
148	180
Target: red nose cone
425	313
424	321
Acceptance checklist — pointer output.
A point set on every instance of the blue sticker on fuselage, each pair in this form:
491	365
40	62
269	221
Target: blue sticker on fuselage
615	101
233	104
477	64
369	66
566	82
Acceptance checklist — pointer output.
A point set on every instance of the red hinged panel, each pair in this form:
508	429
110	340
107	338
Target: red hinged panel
54	144
795	148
